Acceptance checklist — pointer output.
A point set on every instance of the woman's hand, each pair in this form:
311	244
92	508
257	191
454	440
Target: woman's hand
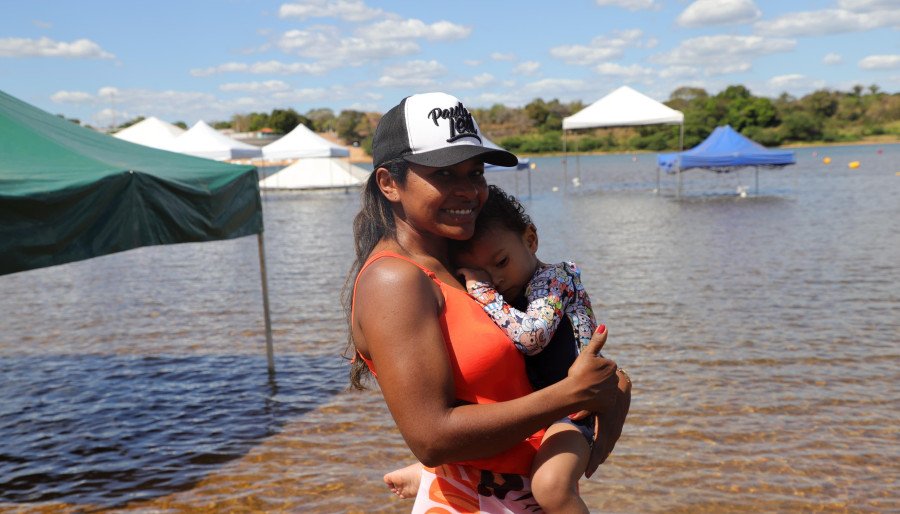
594	377
609	424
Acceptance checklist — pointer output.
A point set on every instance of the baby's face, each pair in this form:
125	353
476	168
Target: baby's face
507	256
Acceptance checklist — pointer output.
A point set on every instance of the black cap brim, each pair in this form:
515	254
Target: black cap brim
456	154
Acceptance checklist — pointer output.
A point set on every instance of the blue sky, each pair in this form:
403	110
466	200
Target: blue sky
108	61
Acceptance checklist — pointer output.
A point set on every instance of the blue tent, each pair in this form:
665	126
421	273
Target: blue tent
725	150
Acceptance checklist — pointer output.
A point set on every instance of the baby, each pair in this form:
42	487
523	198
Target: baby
546	313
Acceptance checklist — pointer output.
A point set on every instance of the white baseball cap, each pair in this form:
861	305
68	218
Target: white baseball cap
432	129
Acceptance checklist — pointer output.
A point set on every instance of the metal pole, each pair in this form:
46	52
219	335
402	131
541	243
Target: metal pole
270	353
516	175
678	168
565	160
657	178
757	180
530	167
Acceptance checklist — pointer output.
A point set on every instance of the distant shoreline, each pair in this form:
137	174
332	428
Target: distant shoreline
358	155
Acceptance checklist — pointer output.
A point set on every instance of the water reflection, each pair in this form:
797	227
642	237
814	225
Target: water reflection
106	429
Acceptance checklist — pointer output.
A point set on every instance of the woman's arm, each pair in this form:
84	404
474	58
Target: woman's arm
396	324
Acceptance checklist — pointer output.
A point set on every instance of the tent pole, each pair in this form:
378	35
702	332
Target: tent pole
577	162
529	180
657	179
757	180
565	159
678	168
270	353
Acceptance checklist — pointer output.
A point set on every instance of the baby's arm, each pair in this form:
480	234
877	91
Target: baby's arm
549	292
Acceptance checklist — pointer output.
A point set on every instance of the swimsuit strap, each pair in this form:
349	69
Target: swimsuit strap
387	253
372	258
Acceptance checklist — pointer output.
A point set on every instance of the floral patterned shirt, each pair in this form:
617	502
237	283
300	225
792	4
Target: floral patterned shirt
554	291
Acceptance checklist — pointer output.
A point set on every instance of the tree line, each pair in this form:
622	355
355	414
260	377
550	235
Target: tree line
821	116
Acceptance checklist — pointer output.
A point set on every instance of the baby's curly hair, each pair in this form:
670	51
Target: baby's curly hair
500	210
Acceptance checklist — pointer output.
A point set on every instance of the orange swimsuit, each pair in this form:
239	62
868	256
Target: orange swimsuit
486	367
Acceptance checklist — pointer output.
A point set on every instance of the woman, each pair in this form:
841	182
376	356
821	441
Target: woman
455	386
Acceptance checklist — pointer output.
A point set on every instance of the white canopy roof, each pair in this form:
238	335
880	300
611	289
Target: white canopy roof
152	132
301	143
316	173
623	107
204	141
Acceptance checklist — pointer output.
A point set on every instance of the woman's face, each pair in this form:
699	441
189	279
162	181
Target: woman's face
444	201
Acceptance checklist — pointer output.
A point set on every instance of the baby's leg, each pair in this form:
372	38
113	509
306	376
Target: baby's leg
560	462
404	482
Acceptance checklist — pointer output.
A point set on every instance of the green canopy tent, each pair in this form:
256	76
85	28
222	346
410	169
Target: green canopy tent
68	193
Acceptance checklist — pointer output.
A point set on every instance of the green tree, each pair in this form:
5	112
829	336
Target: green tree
284	121
352	126
131	122
322	119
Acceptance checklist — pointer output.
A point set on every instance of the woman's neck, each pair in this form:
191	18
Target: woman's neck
426	249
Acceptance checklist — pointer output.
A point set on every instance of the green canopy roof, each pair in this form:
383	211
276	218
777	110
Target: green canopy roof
69	193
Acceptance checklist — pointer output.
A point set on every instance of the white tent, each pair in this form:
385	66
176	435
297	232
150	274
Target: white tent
316	173
624	107
152	132
204	141
302	143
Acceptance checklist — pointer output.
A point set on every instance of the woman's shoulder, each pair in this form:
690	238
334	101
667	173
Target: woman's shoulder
388	274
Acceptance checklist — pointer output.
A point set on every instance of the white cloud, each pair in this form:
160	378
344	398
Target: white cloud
478	81
472	62
46	47
499	56
703	13
167	104
832	58
880	62
414	29
630	72
795	83
527	68
631	5
868	5
783	81
41	24
828	21
256	87
349	10
555	88
723	53
330	48
262	67
678	72
412	74
601	48
72	97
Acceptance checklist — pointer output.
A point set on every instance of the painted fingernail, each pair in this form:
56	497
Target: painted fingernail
601	329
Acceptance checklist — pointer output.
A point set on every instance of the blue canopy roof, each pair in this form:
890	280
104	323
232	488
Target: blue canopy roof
724	150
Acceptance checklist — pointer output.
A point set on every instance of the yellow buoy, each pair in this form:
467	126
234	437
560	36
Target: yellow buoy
826	160
853	165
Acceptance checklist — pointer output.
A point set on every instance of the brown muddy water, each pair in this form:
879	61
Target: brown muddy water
761	333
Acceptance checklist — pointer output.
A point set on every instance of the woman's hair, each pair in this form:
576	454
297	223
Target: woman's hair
499	210
373	222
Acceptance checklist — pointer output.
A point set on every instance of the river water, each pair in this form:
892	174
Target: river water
761	332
